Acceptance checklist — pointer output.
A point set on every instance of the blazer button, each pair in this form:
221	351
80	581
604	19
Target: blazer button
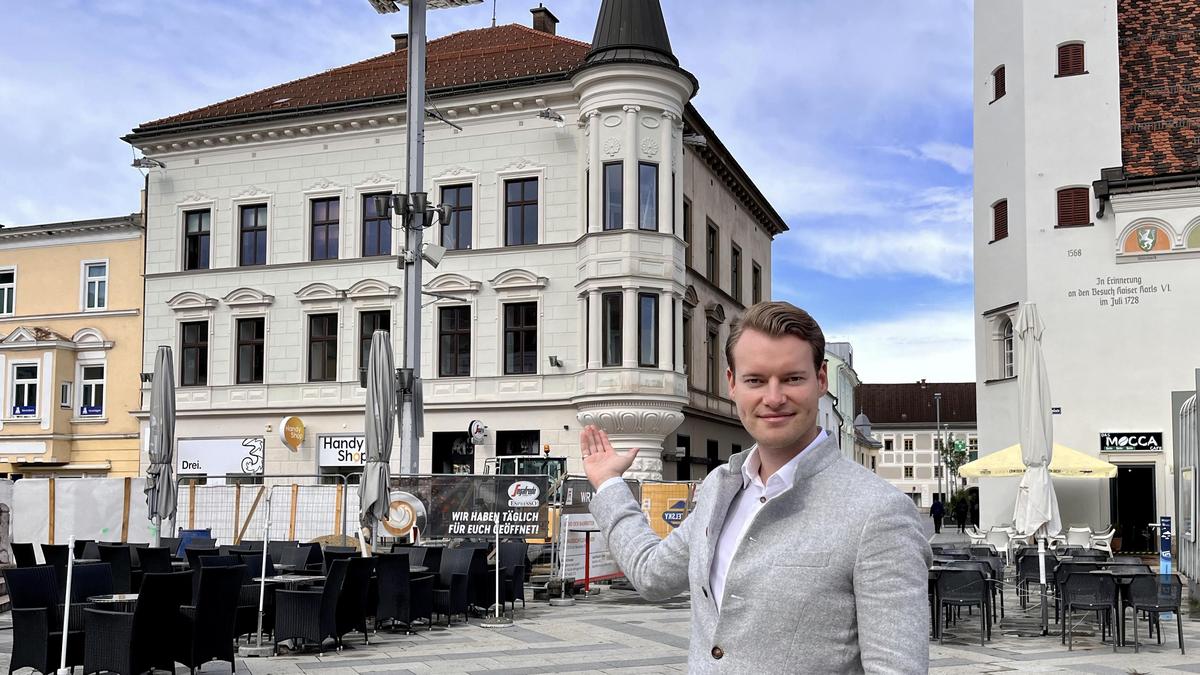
717	652
762	500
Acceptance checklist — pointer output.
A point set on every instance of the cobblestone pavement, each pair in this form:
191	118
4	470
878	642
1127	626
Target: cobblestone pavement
617	632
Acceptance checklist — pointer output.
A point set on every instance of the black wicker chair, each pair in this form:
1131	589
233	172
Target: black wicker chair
24	555
86	548
89	580
278	549
122	566
1061	573
402	597
310	616
1028	572
295	558
154	560
171	544
37	621
252	544
1155	594
514	557
451	592
131	643
194	554
965	588
1093	593
431	557
56	556
416	554
352	601
334	555
206	628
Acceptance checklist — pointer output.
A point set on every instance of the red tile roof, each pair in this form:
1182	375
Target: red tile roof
1160	86
912	404
473	57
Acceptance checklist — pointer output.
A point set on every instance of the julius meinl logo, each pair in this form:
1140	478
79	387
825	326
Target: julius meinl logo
523	493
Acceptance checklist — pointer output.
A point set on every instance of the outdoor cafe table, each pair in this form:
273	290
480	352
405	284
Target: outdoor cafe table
126	600
292	579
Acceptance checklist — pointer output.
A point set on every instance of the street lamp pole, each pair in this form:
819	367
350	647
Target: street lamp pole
937	402
415	213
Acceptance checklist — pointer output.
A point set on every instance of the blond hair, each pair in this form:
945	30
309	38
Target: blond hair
777	319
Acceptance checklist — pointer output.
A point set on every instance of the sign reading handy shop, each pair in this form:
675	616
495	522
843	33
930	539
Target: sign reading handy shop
1131	441
341	449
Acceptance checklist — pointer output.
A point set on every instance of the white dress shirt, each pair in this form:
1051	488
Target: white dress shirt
744	508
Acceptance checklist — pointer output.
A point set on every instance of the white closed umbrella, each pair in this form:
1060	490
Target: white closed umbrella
1037	506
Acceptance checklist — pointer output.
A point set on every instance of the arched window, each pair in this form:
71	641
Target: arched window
1007	351
1070	59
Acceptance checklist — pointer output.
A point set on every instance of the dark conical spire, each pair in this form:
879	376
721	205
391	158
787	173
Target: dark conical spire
632	31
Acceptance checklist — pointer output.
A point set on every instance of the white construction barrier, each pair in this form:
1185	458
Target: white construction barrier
53	510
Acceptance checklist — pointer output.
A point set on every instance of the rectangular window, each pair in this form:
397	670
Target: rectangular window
998	83
368	323
908	472
521	212
614	195
322	347
376	226
64	395
1000	220
456	233
251	349
908	443
755	283
710	253
610	313
25	390
712	451
193	349
454	341
687	349
712	361
648	330
326	217
252	244
1074	207
520	338
889	444
973	444
8	291
91	391
1070	60
735	272
647	196
95	286
196	229
687	232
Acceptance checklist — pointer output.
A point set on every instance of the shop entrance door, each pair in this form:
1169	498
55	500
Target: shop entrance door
1133	506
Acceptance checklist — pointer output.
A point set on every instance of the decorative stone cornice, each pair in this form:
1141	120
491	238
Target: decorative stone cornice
190	300
248	297
453	283
517	280
319	292
368	289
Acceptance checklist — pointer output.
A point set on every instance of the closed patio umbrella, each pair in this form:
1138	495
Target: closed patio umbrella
1037	506
160	475
380	426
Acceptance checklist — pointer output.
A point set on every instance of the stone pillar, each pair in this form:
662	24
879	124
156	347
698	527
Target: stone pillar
630	174
679	333
666	178
641	424
666	315
595	352
597	174
629	328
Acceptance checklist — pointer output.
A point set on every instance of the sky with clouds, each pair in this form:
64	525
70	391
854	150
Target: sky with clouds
853	117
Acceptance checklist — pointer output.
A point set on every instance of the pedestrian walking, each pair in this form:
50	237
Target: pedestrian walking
961	508
798	560
937	512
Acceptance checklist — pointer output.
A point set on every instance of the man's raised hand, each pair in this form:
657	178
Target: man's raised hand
600	461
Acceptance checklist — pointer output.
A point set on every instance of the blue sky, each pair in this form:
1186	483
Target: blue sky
854	118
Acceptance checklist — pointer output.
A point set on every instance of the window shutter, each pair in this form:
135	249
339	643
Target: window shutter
1000	220
1073	207
998	83
1070	59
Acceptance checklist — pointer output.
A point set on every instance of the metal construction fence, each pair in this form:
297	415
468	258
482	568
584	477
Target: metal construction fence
301	507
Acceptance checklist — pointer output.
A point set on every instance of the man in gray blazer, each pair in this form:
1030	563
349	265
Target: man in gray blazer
798	560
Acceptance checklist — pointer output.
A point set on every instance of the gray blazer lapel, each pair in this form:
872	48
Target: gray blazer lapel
726	489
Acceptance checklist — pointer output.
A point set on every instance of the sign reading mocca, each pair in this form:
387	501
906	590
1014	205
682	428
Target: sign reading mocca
1131	441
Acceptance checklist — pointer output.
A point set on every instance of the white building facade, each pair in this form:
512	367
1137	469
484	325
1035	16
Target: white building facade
905	421
592	269
1080	208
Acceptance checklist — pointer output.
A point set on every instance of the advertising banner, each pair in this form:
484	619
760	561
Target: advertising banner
465	506
1131	441
665	506
578	492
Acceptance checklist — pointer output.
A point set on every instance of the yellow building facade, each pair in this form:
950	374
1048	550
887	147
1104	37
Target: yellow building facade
71	299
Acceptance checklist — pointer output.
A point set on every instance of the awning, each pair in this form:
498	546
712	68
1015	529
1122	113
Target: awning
1065	463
